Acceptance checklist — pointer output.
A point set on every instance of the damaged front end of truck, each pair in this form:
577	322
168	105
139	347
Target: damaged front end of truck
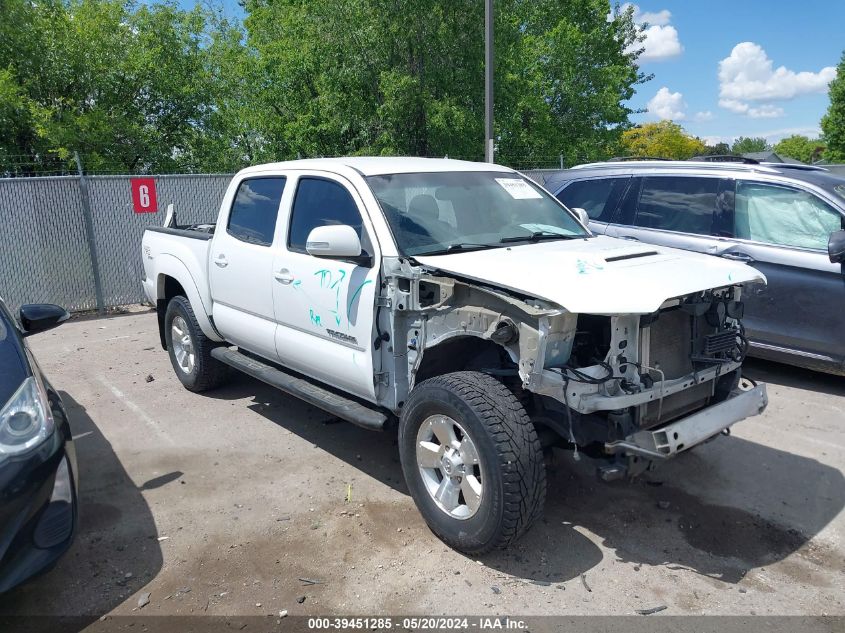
630	389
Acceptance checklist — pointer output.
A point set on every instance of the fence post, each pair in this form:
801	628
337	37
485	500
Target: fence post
89	232
561	161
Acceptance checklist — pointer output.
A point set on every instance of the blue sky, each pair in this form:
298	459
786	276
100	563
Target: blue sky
779	57
728	68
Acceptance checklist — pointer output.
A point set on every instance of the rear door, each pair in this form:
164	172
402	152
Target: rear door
689	212
783	232
325	307
241	267
599	197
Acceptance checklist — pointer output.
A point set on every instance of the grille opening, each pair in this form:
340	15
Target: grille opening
592	340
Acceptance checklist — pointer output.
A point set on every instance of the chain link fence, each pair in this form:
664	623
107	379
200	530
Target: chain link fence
48	254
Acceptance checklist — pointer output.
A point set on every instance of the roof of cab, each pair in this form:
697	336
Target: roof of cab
380	165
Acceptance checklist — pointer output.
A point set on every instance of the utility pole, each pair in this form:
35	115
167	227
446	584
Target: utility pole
488	82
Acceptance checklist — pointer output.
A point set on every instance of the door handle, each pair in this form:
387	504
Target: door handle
629	238
221	261
283	276
738	257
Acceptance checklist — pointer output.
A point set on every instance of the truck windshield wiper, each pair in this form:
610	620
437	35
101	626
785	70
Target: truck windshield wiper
536	236
459	247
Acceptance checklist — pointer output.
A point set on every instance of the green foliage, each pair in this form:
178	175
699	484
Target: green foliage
664	139
747	145
833	123
138	87
719	149
800	148
387	77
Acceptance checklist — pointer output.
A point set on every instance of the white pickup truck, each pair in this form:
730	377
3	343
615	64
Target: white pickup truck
463	304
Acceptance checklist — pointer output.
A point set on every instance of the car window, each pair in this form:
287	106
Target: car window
320	202
677	203
780	215
432	212
255	209
597	197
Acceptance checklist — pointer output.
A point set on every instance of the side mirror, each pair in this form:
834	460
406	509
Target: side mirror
337	241
836	247
38	317
582	215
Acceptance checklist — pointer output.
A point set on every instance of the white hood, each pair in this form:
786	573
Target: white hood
584	276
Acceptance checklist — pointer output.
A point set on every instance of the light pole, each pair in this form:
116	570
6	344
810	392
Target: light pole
488	81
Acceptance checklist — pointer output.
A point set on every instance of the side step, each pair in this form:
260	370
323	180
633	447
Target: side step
303	389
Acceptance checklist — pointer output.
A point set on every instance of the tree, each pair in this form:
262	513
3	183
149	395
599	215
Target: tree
129	88
151	87
664	139
388	77
800	148
833	123
747	145
719	149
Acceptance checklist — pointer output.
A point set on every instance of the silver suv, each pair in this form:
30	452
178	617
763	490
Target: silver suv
785	220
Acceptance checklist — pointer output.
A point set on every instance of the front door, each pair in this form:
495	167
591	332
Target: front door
783	232
325	307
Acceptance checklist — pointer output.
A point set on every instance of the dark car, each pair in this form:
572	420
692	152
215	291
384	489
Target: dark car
785	220
37	459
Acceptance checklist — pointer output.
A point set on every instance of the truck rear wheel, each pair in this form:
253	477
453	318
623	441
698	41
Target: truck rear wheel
472	461
190	349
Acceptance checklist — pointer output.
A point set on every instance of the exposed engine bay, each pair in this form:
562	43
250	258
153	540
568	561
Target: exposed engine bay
596	383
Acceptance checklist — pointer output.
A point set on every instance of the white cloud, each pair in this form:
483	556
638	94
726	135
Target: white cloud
661	18
765	111
700	117
668	105
661	39
748	75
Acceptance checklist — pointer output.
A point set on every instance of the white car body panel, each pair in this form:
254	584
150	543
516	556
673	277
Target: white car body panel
576	275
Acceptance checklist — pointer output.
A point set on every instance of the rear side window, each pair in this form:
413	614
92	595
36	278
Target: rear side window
784	216
320	202
255	209
597	197
677	203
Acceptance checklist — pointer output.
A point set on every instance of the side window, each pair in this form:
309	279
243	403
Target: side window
784	216
678	203
319	202
597	197
255	209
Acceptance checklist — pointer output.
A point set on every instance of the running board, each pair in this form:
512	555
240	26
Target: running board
349	410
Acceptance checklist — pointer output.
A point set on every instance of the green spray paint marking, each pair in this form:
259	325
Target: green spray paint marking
355	296
315	318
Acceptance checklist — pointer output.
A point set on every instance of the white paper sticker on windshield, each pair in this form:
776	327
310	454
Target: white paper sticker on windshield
518	188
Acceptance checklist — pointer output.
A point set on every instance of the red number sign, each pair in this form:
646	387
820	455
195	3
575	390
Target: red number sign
144	195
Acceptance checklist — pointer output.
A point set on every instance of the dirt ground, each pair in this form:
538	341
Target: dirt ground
221	503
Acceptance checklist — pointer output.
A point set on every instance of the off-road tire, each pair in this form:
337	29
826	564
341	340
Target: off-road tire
508	450
208	372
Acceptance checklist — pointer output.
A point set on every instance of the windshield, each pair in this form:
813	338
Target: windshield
442	212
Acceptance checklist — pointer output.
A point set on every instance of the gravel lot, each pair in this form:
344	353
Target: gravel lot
220	503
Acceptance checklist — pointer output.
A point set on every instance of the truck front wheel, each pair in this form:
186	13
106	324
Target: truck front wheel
190	349
472	461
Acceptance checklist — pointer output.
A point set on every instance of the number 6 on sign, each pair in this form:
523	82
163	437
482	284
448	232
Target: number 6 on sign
144	195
